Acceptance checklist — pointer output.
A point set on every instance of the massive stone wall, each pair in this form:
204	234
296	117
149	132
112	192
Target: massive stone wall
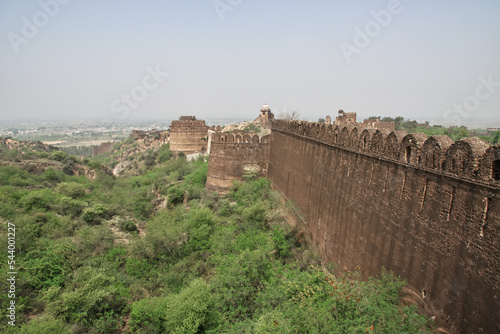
232	155
102	148
426	208
188	135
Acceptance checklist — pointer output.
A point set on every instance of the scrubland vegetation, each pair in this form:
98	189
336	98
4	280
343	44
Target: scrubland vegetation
157	253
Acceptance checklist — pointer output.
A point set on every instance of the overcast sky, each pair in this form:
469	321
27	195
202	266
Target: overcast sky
96	59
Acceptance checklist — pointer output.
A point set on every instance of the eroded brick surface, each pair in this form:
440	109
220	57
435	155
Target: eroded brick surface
188	135
426	208
234	155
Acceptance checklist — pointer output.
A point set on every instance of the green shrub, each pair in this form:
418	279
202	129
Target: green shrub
280	243
138	268
93	241
91	299
59	155
45	325
71	189
190	311
148	316
198	176
175	195
128	226
52	175
10	173
495	138
239	279
50	267
164	154
95	214
254	216
71	206
116	256
37	199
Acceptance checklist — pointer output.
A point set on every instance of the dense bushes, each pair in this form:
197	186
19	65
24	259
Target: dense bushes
157	253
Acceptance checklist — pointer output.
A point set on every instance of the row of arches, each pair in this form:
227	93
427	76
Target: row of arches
238	138
470	158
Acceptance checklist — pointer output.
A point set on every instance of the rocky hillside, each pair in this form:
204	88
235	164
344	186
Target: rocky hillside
130	157
248	126
36	157
137	154
26	146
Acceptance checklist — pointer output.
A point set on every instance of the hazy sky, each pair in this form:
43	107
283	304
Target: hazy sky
75	59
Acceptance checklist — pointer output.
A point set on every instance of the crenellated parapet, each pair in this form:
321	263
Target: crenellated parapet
241	137
426	208
232	155
469	158
188	135
183	125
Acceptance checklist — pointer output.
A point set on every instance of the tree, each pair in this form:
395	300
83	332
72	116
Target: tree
409	125
463	132
293	116
387	119
374	117
398	120
495	138
321	120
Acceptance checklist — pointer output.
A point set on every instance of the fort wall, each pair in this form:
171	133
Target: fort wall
234	155
426	208
188	135
102	148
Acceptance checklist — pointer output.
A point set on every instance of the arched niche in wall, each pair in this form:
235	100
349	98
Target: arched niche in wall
344	137
365	139
434	151
411	146
322	132
336	135
392	146
377	142
462	157
489	166
353	138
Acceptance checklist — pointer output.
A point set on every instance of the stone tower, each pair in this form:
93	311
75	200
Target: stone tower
266	116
